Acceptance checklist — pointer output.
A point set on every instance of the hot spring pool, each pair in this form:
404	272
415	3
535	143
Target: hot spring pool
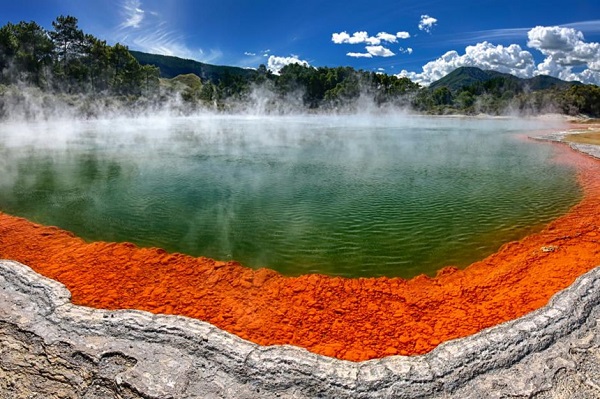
348	196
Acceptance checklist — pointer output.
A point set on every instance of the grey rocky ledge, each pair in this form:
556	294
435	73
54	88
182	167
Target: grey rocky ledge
51	348
559	137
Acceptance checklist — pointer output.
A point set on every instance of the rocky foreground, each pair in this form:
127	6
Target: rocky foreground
50	348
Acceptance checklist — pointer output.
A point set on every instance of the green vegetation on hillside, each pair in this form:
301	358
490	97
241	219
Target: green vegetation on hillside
69	61
83	71
464	77
337	87
471	90
296	87
171	67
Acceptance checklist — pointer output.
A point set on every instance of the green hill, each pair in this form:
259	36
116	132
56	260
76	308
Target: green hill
468	76
464	77
543	82
171	67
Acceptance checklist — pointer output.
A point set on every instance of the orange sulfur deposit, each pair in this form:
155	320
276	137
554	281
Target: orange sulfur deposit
353	319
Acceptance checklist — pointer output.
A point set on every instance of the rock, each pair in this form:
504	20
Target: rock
53	349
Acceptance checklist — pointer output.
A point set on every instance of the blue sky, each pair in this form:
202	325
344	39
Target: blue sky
423	40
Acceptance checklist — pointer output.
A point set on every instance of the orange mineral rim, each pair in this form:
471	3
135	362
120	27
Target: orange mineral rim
351	319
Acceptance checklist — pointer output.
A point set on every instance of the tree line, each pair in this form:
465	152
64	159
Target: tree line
66	60
503	95
339	88
306	88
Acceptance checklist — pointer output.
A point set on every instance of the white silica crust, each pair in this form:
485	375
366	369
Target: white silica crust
589	149
52	348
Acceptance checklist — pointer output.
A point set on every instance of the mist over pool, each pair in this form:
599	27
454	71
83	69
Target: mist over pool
340	195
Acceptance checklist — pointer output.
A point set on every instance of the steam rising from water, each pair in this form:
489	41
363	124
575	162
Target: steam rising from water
343	195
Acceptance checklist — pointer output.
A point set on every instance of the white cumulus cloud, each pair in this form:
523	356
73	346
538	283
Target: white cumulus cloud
339	38
276	64
407	50
387	37
379	51
512	59
427	23
553	38
356	38
363	37
590	76
567	56
565	48
359	55
373	43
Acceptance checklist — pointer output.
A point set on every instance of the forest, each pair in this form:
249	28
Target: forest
65	65
66	59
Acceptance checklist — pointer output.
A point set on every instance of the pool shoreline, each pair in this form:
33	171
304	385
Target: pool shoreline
351	319
52	344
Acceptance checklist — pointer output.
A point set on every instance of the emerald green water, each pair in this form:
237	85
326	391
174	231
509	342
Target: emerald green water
344	196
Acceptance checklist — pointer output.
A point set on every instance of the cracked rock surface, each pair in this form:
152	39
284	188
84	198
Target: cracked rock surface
50	348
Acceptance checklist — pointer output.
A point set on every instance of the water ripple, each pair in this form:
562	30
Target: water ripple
299	197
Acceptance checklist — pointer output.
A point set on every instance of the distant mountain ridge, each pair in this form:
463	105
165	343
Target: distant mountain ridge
171	67
466	90
456	80
468	76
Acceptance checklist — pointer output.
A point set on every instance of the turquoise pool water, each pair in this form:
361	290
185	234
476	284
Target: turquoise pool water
348	196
